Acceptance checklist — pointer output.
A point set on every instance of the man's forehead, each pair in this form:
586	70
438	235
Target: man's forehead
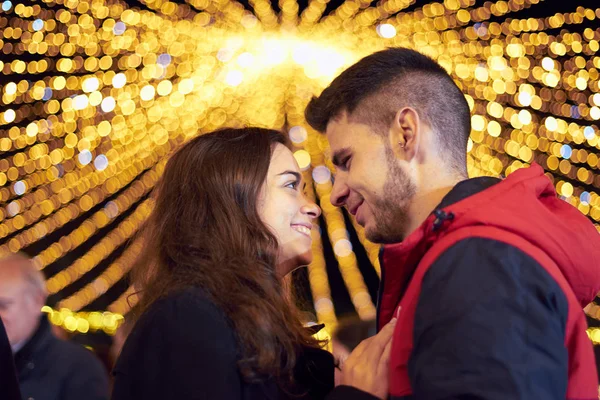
11	270
10	286
338	131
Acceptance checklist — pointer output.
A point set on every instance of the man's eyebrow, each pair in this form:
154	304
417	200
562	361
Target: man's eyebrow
339	155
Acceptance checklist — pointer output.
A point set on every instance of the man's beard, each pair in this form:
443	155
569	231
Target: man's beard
390	211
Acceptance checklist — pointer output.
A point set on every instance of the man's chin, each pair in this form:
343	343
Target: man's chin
373	235
376	236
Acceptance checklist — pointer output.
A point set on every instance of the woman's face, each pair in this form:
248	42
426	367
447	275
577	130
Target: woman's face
287	212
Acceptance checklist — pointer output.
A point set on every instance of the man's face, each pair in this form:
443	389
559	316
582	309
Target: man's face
19	305
369	182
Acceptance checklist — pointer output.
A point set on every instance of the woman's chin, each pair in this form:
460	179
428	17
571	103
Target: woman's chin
292	263
305	258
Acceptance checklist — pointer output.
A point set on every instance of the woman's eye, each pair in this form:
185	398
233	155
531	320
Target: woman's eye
292	185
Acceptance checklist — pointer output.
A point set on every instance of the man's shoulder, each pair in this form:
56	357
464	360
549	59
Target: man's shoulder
70	353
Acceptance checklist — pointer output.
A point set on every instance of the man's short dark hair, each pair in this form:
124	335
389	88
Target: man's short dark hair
375	88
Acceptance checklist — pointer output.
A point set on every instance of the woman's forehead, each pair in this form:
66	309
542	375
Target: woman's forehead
282	160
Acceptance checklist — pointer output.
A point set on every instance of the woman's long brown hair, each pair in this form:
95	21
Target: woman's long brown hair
205	231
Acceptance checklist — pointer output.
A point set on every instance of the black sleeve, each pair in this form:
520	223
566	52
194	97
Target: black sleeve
183	349
490	324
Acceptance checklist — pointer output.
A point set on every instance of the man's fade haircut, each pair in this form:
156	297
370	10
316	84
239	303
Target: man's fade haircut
375	88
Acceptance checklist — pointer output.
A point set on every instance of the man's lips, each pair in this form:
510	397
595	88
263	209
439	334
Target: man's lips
354	209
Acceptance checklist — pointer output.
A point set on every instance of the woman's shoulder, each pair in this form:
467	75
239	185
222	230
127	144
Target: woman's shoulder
189	306
185	317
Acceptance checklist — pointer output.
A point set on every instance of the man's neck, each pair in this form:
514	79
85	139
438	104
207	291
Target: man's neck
18	346
425	203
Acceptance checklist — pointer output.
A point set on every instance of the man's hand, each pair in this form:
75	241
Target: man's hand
367	367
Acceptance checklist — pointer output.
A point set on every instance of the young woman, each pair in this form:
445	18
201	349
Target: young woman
230	221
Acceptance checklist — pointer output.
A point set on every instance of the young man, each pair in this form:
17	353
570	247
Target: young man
487	277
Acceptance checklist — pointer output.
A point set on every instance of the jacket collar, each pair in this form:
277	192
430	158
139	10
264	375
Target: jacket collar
467	188
398	261
40	338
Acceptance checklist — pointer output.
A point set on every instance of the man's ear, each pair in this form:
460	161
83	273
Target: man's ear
404	135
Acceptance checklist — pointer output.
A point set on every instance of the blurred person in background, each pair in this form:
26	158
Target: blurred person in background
230	221
48	368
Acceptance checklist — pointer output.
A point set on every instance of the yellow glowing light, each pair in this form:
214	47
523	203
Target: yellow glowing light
525	99
386	31
525	117
596	99
119	80
80	102
108	104
497	63
551	79
494	129
551	124
515	50
10	88
303	159
59	83
32	129
95	98
481	74
9	115
548	64
147	93
275	52
342	248
245	60
104	128
567	189
83	326
581	83
595	113
164	88
90	85
70	323
478	122
302	53
596	335
234	78
186	86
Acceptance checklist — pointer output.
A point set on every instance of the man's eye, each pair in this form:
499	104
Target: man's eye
346	163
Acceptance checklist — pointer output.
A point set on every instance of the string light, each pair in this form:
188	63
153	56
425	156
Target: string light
84	322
